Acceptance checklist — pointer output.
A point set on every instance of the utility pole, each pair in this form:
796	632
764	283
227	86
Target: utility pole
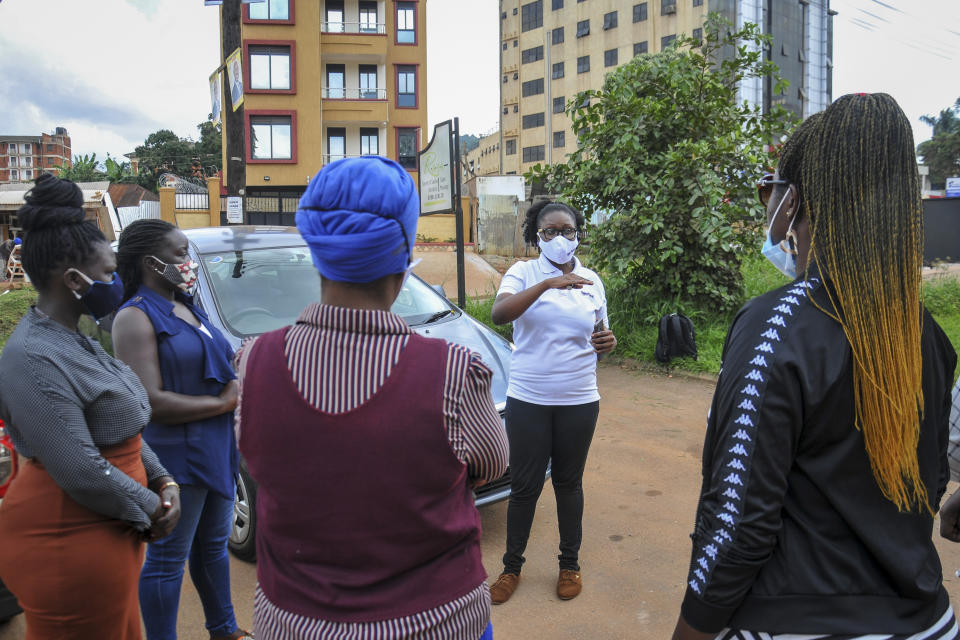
235	165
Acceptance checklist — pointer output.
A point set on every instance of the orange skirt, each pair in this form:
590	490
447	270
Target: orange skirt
74	571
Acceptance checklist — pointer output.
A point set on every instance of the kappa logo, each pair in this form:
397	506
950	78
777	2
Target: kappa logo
754	375
771	334
759	360
693	585
703	562
777	320
782	308
730	493
700	575
791	299
724	534
730	507
726	517
711	551
744	420
765	347
750	390
736	464
738	449
741	435
747	404
734	478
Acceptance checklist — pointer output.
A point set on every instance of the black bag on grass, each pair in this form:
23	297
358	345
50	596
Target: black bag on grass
676	338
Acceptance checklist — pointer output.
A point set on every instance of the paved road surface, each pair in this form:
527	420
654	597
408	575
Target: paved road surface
641	487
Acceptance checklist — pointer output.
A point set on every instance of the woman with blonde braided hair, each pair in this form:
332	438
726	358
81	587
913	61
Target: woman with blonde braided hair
825	453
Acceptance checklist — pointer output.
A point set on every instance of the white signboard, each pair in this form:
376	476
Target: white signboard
953	187
235	210
436	172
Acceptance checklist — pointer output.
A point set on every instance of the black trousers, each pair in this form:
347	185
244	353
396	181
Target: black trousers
538	434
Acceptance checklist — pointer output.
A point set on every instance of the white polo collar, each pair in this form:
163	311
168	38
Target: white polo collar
547	267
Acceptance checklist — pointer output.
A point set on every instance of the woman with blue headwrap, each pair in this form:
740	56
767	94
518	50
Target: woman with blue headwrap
365	438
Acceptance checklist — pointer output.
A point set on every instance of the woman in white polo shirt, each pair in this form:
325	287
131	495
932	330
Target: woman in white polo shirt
554	303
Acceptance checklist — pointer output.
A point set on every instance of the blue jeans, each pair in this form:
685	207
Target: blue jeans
201	535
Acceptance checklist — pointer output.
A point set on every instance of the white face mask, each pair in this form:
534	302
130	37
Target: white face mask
559	250
778	256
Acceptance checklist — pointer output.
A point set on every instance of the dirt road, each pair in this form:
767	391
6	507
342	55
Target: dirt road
641	486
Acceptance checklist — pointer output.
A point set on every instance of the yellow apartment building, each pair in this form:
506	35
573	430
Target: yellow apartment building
327	79
484	160
552	49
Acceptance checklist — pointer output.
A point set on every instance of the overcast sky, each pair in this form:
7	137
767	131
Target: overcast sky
114	75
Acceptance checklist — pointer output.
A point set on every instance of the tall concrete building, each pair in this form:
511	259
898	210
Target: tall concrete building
23	158
552	49
327	79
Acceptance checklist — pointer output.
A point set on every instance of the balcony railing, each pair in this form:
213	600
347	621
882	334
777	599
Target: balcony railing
353	93
367	28
330	157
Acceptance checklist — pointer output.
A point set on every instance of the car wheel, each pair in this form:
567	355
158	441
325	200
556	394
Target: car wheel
243	536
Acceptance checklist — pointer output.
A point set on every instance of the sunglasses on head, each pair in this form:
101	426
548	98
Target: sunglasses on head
765	187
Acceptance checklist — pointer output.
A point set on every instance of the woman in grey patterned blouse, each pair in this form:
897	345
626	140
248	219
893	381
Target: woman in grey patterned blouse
74	520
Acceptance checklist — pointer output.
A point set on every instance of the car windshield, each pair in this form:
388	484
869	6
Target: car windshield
259	290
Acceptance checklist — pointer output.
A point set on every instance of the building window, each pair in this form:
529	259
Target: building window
368	82
532	87
610	20
557	35
533	154
368	16
504	46
270	10
559	139
531	55
336	78
407	148
514	44
533	120
369	141
640	12
14	175
668	7
515	108
406	23
271	137
27	148
666	41
583	28
50	162
511	148
531	16
583	64
336	143
505	111
514	11
504	79
610	58
333	16
639	47
557	4
698	3
698	35
406	85
557	70
49	148
269	67
558	104
27	174
12	162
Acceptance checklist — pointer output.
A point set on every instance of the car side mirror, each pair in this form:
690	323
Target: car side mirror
439	289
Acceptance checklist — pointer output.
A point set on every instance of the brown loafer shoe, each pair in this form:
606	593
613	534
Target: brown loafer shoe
503	588
569	584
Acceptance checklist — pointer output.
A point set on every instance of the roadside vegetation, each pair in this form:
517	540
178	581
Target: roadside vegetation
14	303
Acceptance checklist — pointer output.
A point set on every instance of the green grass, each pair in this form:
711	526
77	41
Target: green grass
635	316
13	305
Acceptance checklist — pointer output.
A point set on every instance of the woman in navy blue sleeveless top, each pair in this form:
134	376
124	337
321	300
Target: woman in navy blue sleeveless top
185	364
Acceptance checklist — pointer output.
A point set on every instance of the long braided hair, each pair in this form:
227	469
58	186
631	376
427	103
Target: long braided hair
859	178
56	232
138	239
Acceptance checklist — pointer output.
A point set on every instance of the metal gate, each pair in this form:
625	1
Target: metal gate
499	220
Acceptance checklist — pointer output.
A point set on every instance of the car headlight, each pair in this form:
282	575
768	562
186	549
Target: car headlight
6	464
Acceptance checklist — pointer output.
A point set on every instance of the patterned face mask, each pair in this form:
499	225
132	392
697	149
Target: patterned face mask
183	275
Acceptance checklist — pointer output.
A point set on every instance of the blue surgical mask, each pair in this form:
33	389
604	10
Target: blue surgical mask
102	298
777	254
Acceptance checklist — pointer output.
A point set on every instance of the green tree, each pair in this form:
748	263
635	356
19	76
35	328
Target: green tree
118	172
209	149
85	168
162	152
941	153
668	151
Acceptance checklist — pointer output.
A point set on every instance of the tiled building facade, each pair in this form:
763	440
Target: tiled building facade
23	158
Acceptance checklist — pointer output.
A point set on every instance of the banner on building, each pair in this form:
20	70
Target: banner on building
235	78
216	96
436	172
